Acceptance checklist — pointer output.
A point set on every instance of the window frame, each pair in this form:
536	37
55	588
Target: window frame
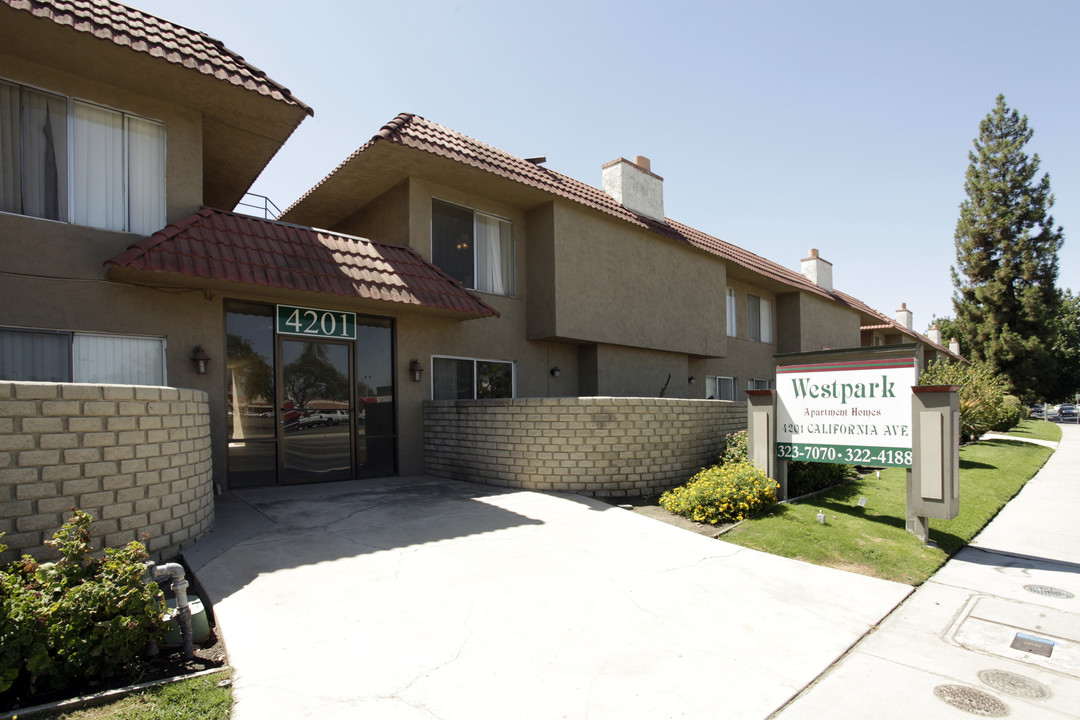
732	314
510	243
754	320
475	380
128	120
732	382
72	336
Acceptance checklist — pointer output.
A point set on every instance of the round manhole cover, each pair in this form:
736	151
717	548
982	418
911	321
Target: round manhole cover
1013	684
972	701
1051	592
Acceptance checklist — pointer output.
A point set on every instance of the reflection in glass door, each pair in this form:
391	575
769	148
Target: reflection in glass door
315	411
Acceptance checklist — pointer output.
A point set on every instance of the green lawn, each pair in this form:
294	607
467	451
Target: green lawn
1037	430
873	541
199	698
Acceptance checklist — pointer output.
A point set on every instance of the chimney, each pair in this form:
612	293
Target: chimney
954	346
635	187
905	317
818	270
934	333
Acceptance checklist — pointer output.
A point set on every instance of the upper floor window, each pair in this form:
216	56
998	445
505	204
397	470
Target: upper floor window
759	318
474	248
69	160
732	325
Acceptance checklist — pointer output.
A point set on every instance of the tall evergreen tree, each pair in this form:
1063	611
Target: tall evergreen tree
1006	298
1067	349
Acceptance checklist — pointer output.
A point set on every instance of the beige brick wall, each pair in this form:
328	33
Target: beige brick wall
599	446
136	458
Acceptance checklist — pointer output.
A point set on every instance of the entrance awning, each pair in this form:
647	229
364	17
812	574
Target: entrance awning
224	247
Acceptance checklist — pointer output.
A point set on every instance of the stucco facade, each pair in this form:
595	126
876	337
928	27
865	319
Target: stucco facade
595	293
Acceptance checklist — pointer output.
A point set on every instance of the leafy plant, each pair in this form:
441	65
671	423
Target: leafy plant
808	477
982	396
736	447
722	493
1011	413
82	617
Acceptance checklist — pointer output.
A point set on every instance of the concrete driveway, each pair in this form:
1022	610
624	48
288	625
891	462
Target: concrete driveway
425	598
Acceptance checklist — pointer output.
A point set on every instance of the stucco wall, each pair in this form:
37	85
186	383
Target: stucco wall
599	446
615	284
135	458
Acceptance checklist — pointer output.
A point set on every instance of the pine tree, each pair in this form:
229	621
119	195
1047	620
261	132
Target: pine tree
1006	298
1066	349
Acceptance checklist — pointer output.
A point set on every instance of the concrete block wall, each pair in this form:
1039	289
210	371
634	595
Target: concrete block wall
598	446
136	458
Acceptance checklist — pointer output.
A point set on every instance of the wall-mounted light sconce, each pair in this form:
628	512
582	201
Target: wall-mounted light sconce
555	371
200	359
415	370
691	379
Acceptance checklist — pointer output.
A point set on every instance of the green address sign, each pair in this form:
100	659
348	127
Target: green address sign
311	322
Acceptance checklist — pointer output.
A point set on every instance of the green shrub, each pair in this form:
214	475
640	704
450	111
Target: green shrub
82	617
982	394
736	447
1011	413
723	493
808	477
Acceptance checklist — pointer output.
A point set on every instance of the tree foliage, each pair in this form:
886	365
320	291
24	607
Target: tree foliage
984	404
949	329
1066	348
1006	299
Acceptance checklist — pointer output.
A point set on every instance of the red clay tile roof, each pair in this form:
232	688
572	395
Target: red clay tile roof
219	245
415	132
145	33
887	323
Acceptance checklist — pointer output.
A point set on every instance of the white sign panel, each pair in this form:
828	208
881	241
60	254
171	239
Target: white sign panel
856	412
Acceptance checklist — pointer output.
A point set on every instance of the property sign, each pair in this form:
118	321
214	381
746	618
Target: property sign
846	412
311	322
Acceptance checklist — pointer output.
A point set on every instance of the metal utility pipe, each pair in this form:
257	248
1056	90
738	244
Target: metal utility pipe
179	588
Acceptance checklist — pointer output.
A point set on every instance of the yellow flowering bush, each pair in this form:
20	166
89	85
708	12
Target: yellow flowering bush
722	493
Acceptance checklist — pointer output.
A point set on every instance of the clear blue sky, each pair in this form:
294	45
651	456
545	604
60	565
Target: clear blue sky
777	126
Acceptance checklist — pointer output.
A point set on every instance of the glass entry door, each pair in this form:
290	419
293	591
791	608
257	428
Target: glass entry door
315	409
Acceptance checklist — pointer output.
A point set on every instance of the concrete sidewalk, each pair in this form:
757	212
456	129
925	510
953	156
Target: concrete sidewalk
424	598
950	645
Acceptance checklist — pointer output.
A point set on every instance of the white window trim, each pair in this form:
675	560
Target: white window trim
475	260
732	381
70	155
732	318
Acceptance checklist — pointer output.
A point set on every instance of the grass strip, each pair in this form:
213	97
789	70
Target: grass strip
873	540
199	698
1037	430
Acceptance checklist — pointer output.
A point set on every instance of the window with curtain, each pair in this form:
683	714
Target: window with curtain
467	379
61	356
118	359
759	318
110	175
732	324
474	248
720	388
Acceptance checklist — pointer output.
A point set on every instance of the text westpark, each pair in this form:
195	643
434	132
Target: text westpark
843	392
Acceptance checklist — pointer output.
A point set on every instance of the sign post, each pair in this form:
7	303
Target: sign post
862	406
